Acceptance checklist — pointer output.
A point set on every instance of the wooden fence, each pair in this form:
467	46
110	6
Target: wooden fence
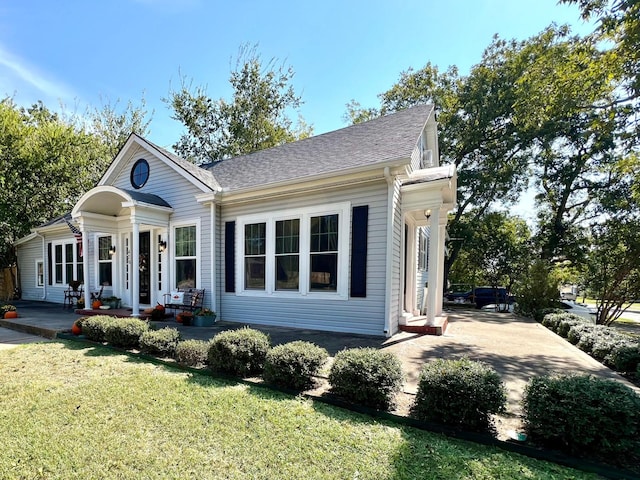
8	277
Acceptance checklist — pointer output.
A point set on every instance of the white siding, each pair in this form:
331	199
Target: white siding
396	261
28	253
180	194
358	315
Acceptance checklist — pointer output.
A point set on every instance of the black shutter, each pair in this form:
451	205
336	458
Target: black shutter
360	220
230	257
49	264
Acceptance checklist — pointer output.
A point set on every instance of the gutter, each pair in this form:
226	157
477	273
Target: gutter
389	263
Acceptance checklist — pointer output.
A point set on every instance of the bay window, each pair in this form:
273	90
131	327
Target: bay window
295	252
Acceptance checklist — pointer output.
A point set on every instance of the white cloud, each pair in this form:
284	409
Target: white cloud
17	76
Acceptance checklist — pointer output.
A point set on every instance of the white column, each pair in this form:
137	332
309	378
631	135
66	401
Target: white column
410	274
434	259
135	271
441	244
85	268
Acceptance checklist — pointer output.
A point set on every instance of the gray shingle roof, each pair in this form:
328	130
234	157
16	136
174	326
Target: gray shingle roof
149	198
380	140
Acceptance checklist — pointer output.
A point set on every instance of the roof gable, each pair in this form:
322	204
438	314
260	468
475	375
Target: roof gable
200	177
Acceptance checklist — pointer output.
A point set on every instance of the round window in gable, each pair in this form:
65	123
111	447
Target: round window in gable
140	173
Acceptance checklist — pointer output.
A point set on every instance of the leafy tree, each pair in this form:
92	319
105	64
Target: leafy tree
566	99
496	250
48	160
255	119
479	132
618	22
613	267
113	125
538	289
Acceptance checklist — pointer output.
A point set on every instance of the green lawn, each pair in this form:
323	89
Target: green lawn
68	410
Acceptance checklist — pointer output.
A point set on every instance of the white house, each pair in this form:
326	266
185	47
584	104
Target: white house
337	232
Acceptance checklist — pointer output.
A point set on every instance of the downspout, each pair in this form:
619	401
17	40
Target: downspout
214	289
44	262
389	262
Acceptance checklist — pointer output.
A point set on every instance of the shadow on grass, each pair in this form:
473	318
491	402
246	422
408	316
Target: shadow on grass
441	453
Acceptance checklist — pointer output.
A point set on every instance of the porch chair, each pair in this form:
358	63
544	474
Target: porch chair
72	294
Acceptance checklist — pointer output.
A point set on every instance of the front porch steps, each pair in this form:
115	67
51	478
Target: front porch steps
423	326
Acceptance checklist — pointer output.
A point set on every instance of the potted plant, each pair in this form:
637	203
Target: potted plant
9	311
204	317
185	318
113	302
80	303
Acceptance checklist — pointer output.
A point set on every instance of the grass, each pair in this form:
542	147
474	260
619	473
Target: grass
69	410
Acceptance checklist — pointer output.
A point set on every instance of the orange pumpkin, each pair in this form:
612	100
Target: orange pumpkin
75	329
11	315
160	307
96	304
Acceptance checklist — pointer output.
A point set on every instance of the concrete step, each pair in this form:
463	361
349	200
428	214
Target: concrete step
425	327
16	325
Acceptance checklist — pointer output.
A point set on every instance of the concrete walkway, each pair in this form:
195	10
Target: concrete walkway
517	348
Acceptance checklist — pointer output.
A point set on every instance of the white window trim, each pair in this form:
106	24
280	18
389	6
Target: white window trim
172	250
98	236
343	210
76	261
39	261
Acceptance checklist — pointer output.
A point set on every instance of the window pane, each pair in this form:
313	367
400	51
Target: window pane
254	273
105	273
287	272
186	241
58	262
104	244
324	233
255	238
288	236
324	272
186	273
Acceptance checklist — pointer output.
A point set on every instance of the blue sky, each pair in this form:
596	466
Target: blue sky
79	52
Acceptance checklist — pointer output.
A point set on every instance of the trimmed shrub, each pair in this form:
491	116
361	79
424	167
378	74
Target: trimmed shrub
367	376
94	328
294	365
162	342
459	392
551	321
625	358
239	352
606	343
576	332
568	320
583	415
125	332
588	337
192	353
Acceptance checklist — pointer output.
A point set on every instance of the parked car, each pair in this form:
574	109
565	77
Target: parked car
481	296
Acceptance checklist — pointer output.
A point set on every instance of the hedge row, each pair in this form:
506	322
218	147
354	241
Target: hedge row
616	350
578	414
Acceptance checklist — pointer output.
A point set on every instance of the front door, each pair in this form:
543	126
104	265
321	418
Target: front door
145	268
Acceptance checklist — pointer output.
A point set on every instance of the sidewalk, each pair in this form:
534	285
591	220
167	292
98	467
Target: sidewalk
12	338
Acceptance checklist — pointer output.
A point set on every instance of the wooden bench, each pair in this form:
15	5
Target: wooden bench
192	299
